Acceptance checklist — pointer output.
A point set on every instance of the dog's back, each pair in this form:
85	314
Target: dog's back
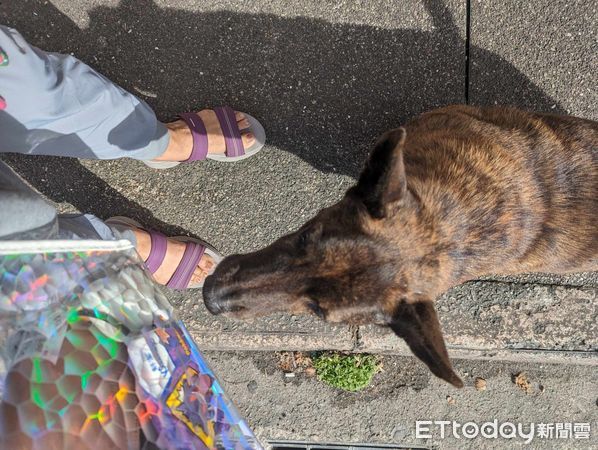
526	185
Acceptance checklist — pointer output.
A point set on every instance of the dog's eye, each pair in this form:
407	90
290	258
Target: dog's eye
304	237
310	234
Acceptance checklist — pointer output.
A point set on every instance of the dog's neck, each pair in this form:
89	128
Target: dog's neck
465	243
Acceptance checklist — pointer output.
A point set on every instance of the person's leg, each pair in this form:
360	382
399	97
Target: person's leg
88	226
24	215
27	216
53	104
56	105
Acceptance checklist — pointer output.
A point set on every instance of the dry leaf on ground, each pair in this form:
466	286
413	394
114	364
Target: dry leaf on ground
480	384
522	382
294	362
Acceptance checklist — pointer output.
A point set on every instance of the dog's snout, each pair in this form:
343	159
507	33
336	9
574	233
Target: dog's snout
237	285
221	304
210	295
218	287
213	305
223	275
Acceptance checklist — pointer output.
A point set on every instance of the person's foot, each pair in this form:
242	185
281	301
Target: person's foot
174	255
181	140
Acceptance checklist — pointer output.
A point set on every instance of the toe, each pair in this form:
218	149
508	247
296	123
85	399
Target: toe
242	124
207	263
198	277
248	139
239	116
204	268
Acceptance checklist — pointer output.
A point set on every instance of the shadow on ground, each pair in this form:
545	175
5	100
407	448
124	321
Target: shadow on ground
323	91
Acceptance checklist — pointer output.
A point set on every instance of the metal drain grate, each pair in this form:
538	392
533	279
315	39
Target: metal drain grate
292	445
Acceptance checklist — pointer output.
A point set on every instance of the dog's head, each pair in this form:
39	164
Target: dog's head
366	259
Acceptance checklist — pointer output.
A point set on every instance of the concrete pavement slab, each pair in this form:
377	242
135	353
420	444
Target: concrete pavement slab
323	87
553	43
301	408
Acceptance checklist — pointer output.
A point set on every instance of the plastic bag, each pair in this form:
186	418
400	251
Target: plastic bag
93	356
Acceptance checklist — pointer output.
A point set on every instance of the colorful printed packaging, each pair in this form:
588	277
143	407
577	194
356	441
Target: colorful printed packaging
93	356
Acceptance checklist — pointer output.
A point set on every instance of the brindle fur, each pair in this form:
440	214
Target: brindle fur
458	193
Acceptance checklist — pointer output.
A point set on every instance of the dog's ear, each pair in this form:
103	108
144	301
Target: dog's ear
418	324
382	185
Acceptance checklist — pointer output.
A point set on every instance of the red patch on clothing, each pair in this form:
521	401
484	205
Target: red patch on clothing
3	58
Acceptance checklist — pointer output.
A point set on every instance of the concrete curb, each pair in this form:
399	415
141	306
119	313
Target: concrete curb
489	319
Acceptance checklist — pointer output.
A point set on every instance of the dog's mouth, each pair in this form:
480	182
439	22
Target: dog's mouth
225	308
249	298
219	304
226	301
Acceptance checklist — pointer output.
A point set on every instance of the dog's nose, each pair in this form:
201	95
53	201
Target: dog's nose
210	296
212	305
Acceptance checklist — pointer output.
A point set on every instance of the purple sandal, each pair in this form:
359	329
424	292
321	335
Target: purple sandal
232	137
194	250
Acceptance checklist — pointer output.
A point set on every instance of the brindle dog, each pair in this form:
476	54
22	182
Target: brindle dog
458	193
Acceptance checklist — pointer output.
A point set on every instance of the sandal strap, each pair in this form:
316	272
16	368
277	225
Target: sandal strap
157	251
230	130
182	275
199	134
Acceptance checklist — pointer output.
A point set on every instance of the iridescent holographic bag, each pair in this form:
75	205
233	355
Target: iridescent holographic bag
93	356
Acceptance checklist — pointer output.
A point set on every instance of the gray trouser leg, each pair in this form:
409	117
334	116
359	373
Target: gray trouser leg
53	104
88	226
24	215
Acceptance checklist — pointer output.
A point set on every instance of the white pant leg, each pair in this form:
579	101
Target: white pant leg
57	105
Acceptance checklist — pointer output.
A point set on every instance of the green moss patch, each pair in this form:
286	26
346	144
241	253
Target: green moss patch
347	372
